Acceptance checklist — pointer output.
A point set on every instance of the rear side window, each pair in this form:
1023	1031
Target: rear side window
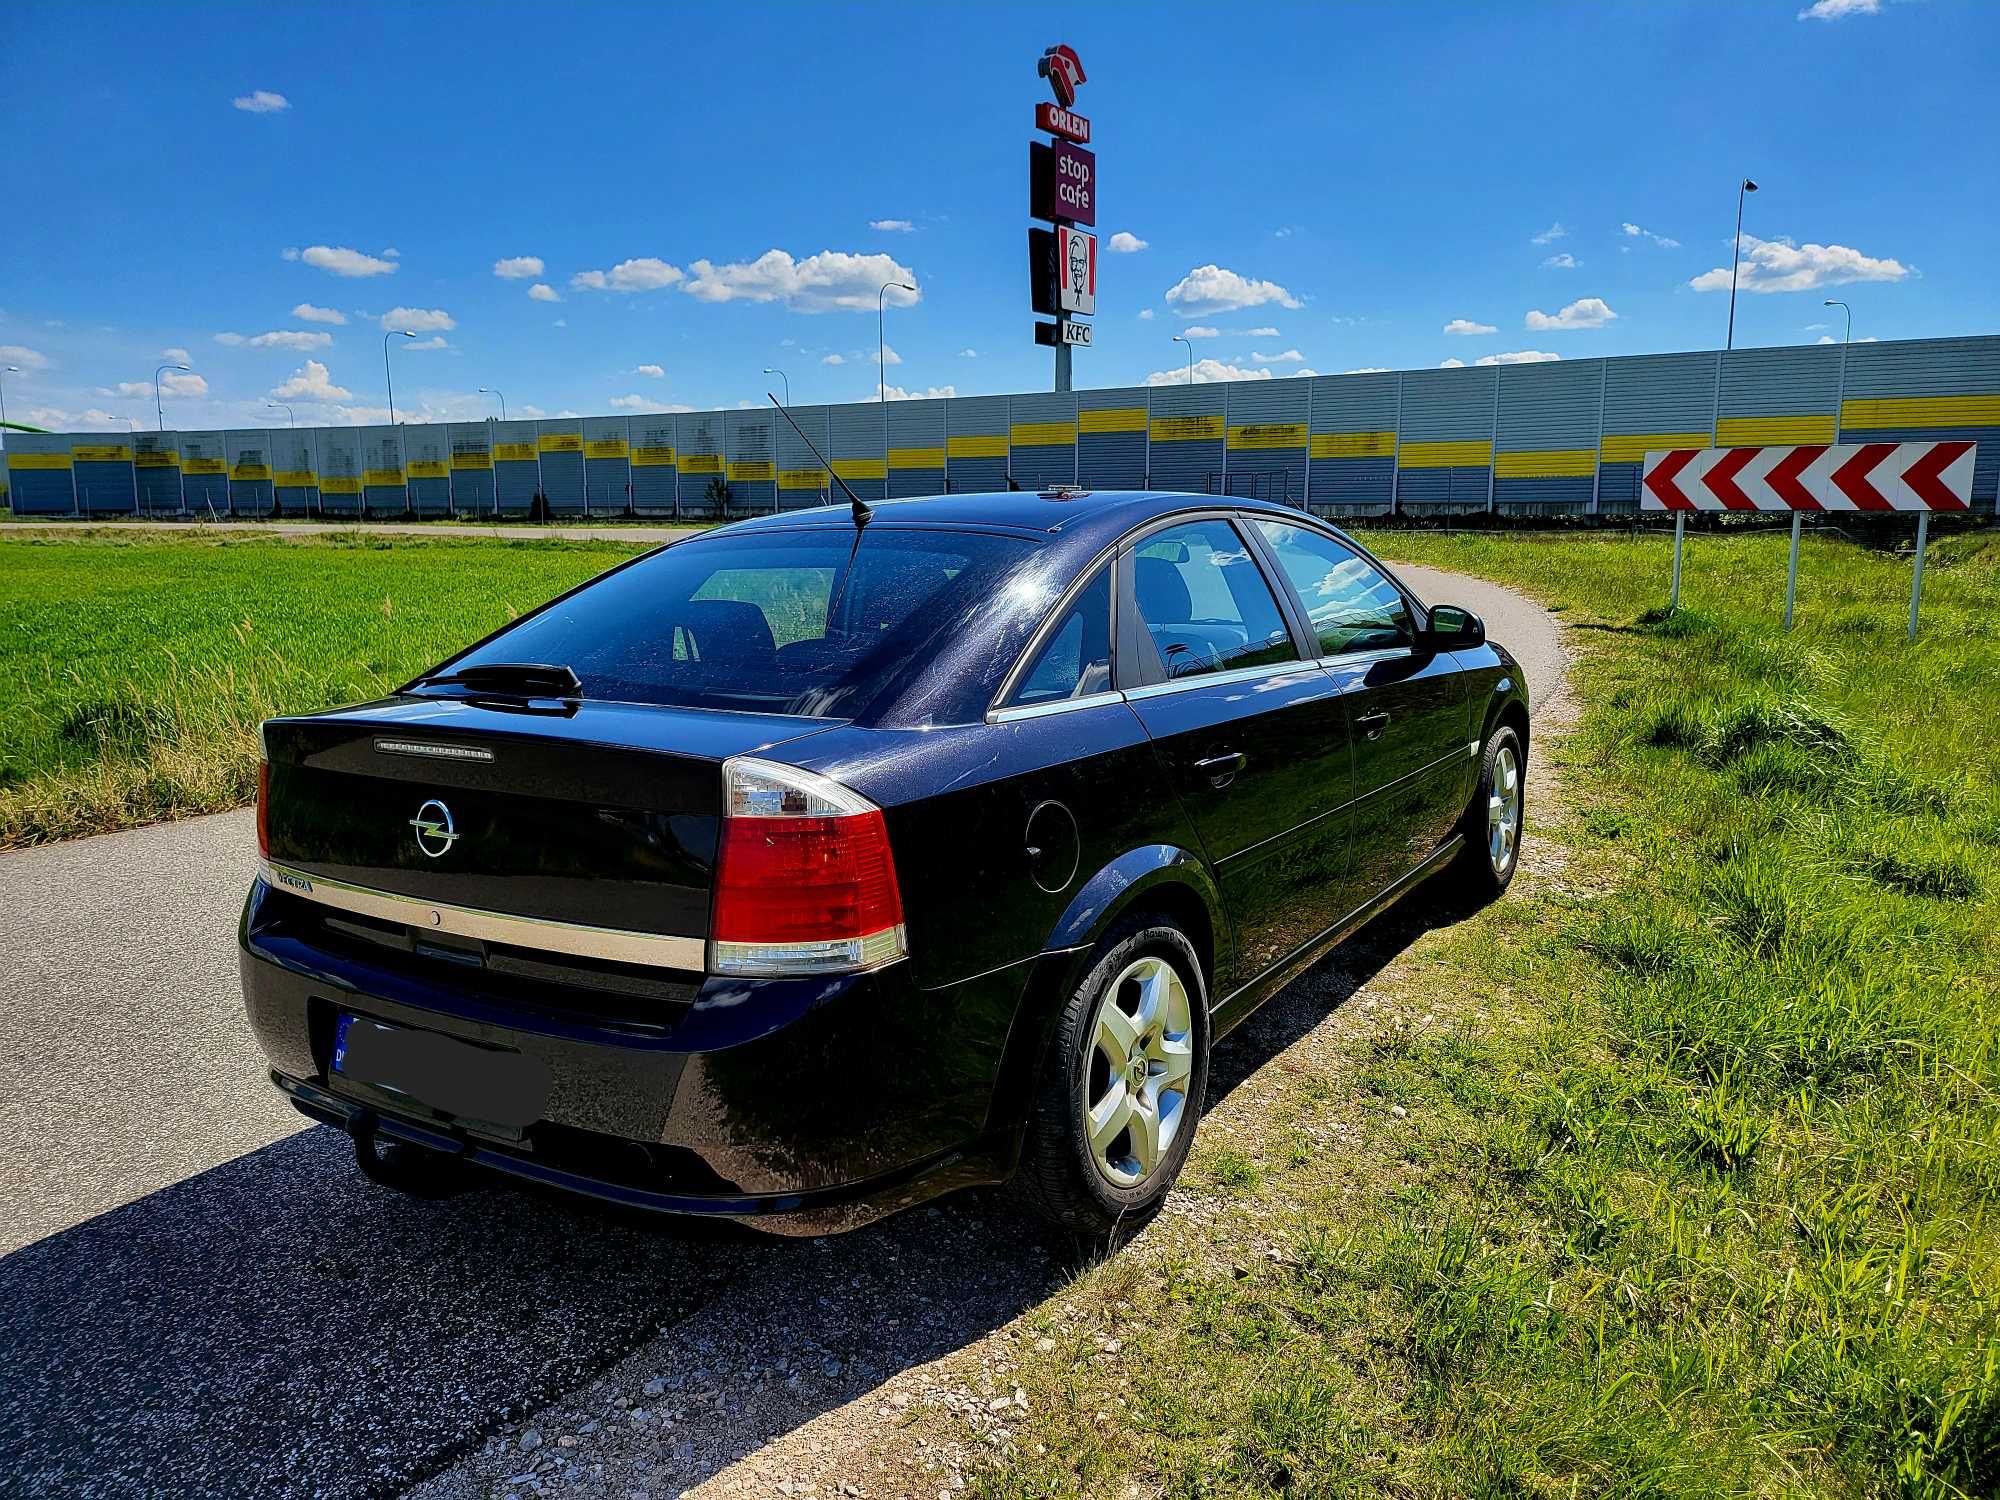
1205	602
1351	605
802	622
1075	660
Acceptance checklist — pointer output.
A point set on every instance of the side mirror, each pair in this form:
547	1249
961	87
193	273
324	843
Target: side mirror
1454	628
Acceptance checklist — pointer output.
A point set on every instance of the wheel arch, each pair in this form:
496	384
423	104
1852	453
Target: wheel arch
1163	877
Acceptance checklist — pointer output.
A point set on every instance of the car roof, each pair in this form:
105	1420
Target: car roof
1091	516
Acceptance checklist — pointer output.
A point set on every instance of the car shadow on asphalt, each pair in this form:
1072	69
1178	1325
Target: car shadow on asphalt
278	1324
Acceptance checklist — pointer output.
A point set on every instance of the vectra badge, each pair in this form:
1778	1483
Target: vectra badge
435	833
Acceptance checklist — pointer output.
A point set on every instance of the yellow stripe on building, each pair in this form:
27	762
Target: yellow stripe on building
1253	436
604	448
472	460
295	479
100	453
1187	429
560	442
752	471
384	479
514	453
1921	411
1451	455
1754	432
1632	447
204	466
860	468
1353	444
657	457
340	484
916	458
1545	463
701	463
1112	419
429	468
976	445
24	462
157	458
248	472
1044	434
802	479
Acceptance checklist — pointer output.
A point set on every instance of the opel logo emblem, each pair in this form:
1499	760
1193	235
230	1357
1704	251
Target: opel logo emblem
435	833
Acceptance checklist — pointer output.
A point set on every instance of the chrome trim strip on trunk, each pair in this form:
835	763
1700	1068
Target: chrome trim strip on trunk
659	950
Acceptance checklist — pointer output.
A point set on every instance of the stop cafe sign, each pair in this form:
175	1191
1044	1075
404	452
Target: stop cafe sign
1062	179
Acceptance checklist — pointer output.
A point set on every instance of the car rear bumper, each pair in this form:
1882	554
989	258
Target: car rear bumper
806	1105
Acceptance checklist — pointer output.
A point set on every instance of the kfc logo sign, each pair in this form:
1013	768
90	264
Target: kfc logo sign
1076	263
1064	71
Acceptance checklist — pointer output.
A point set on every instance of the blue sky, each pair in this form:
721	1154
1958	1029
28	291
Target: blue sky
699	193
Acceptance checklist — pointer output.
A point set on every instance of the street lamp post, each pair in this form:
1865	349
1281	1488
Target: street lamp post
1190	348
291	416
1836	302
386	378
159	410
770	370
1736	259
882	350
494	390
4	373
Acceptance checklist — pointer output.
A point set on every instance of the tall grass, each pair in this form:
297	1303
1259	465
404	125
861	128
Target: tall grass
134	670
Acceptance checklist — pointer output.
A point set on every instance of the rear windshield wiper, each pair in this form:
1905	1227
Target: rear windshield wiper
515	679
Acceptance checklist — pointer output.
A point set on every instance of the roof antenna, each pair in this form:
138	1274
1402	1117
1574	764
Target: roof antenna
863	514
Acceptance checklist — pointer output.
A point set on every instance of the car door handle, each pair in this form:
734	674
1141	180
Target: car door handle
1374	722
1221	769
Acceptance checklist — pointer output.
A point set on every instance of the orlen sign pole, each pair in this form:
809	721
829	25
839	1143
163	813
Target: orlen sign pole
1062	188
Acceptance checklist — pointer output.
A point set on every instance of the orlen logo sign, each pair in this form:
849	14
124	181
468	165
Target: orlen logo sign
1064	71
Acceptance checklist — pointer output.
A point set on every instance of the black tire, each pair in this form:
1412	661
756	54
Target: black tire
1057	1176
1475	873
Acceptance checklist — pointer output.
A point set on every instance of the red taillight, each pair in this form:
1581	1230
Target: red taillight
264	808
804	880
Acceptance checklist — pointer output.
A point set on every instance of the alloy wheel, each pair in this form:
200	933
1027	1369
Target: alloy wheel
1503	810
1141	1065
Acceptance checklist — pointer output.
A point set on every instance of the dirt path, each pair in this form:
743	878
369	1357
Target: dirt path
878	1364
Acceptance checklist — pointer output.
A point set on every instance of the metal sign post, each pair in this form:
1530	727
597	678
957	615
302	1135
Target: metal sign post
1792	567
1917	574
1680	535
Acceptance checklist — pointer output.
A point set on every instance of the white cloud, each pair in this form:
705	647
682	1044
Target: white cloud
1550	235
1827	338
1304	372
1563	262
1206	372
262	102
968	354
172	383
1145	315
1634	232
338	260
310	383
319	314
1467	327
541	291
892	226
646	273
1200	331
1453	363
392	253
439	342
22	355
180	354
1367	370
1780	266
1263	333
830	280
886	356
1834	10
833	359
417	320
658	372
277	338
518	267
1125	243
1518	357
1289	357
1585	312
636	402
928	393
1210	288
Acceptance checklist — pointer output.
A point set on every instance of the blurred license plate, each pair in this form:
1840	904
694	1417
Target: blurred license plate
440	1072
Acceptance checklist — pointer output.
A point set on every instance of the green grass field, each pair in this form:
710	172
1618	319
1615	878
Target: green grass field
1685	1181
134	669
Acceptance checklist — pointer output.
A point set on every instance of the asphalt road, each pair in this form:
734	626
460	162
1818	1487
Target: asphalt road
198	1294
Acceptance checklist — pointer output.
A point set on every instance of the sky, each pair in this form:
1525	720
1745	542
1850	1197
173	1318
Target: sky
639	208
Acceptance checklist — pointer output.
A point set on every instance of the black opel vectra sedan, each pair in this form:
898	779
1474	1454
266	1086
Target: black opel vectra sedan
805	869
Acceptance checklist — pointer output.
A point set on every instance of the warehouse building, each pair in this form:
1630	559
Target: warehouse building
1556	438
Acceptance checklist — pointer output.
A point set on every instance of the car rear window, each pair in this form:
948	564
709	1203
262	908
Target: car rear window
771	622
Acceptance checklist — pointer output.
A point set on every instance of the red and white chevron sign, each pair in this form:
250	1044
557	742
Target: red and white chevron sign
1825	476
